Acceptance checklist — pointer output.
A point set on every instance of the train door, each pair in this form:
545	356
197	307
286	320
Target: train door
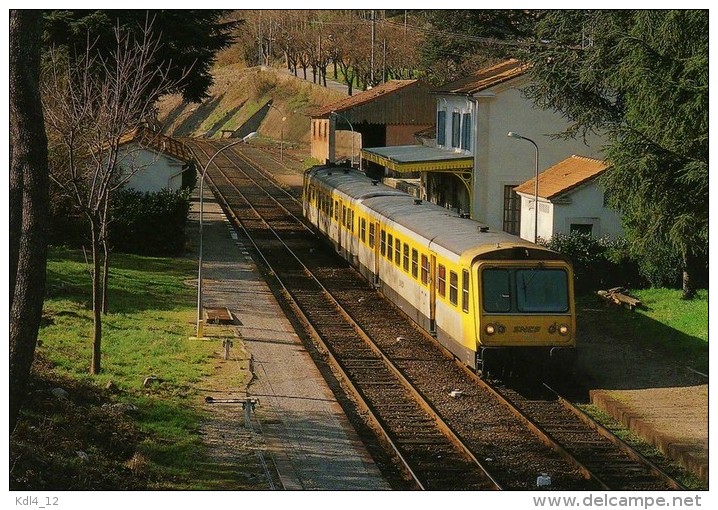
341	221
377	257
432	295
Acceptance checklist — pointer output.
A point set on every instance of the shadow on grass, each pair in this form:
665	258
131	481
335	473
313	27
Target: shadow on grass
626	349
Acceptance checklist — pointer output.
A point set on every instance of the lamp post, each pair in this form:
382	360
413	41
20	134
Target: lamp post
200	321
350	127
281	135
511	134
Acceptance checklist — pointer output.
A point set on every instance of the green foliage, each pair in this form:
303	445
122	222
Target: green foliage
149	223
190	39
462	41
598	263
155	444
641	79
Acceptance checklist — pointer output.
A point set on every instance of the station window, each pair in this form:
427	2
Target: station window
441	127
453	288
424	269
397	252
406	257
414	263
441	280
362	229
455	129
372	235
390	247
465	290
382	244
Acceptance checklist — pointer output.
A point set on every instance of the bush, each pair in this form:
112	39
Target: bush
149	223
598	263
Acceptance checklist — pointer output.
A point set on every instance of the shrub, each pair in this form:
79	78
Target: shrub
598	263
149	223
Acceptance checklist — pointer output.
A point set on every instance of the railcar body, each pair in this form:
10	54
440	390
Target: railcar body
488	297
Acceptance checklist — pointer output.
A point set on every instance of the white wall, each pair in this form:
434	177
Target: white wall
501	160
151	171
584	206
528	220
587	207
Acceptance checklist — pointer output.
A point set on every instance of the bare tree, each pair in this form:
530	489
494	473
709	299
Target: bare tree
91	103
29	200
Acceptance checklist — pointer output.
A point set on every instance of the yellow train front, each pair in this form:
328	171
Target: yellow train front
492	299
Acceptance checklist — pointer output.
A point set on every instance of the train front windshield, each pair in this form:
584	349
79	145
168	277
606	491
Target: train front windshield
525	290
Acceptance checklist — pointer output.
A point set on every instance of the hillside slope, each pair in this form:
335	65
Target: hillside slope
238	93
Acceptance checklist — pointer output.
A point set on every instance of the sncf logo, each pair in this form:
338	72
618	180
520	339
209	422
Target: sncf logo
527	329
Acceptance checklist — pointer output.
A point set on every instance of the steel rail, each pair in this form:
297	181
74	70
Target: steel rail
446	430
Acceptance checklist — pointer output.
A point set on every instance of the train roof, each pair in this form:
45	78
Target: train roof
462	236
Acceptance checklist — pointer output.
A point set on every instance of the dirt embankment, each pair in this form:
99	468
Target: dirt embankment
239	97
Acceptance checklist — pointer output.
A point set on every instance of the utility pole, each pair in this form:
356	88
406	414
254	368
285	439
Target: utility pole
373	36
383	65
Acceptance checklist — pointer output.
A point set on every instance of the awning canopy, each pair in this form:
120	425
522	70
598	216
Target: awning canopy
418	158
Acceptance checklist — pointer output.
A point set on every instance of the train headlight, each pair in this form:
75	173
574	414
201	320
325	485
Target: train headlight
563	330
490	329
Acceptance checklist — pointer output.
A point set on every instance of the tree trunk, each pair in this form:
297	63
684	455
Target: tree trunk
15	200
96	301
689	268
29	171
105	276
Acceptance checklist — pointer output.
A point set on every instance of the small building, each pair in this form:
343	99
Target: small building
569	199
386	115
151	161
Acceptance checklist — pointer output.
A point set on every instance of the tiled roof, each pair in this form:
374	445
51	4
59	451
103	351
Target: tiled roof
564	176
361	98
147	138
484	78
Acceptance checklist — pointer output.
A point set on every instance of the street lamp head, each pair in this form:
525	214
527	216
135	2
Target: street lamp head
511	134
249	136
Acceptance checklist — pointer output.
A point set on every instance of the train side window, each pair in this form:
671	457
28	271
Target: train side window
351	220
382	243
372	235
397	252
453	288
389	247
344	215
414	263
465	290
496	290
406	257
424	269
362	229
336	210
441	280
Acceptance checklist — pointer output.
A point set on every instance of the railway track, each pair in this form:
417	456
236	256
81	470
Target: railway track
468	428
595	451
434	457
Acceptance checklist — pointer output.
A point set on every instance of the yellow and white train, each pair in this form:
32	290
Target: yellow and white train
490	298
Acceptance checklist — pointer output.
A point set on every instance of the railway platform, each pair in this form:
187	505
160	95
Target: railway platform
310	441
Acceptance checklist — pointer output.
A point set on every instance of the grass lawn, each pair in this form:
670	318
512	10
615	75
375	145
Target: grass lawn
137	437
664	322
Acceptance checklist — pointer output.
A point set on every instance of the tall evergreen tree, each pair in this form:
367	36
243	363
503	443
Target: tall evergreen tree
641	78
190	39
461	41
